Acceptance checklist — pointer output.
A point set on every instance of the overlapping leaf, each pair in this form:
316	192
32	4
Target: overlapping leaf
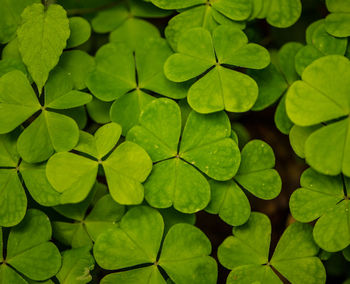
103	214
115	79
319	44
274	81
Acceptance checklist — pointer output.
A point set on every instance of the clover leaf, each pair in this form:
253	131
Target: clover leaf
48	132
280	13
274	81
324	198
78	64
184	254
319	44
125	167
130	77
42	36
323	97
207	15
80	31
176	178
76	266
220	87
337	22
29	251
255	174
87	226
246	254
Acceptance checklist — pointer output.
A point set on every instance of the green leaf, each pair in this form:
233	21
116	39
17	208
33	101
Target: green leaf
221	87
180	255
317	99
337	23
42	37
104	215
145	275
8	149
319	44
76	266
136	241
99	111
10	12
72	175
298	136
80	31
283	13
13	203
246	254
114	74
126	169
78	64
211	150
158	133
176	183
34	176
17	101
10	64
214	92
57	132
190	62
229	201
10	276
134	33
323	197
295	256
255	172
200	16
176	4
159	129
110	19
106	138
126	110
29	250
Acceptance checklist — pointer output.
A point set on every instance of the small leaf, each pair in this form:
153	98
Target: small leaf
126	168
80	31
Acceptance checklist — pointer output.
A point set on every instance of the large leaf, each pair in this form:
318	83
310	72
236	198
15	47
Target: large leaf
42	37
